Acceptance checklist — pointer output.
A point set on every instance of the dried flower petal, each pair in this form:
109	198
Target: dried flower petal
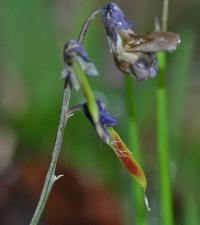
142	65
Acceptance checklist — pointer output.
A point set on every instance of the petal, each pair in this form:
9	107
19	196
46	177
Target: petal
153	42
114	19
73	51
106	119
145	66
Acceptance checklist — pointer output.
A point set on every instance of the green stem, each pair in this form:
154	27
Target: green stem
90	98
162	134
165	15
162	145
87	91
133	138
51	178
190	207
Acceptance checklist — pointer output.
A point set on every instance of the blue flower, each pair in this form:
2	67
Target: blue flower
142	66
105	118
113	18
145	67
73	51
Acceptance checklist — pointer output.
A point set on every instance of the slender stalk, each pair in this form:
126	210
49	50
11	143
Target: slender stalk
133	138
165	15
162	135
51	178
86	25
190	210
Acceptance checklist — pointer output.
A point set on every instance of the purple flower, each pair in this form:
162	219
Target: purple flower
73	51
113	18
141	65
105	118
145	67
134	54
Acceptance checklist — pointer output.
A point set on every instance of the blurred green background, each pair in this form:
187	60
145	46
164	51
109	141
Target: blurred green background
32	37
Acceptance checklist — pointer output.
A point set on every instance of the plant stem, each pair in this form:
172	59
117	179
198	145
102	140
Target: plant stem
86	25
51	178
90	98
190	210
162	134
133	138
163	149
87	91
165	15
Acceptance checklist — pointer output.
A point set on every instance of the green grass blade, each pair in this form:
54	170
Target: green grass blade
133	139
162	145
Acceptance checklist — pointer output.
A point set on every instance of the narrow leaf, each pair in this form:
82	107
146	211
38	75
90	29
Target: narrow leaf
90	98
126	158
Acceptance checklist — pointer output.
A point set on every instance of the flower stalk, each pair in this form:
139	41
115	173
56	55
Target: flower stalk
162	134
134	142
86	25
51	178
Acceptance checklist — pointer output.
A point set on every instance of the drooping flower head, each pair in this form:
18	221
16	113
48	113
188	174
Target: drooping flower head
72	52
134	54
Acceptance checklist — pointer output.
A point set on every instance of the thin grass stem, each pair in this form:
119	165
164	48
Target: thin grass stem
133	139
162	134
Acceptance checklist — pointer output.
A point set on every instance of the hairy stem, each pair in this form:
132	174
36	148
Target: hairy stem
162	134
51	178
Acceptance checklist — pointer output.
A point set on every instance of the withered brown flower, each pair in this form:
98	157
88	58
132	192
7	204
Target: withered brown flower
134	54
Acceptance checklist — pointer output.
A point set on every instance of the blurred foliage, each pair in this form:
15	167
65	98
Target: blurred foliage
33	34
